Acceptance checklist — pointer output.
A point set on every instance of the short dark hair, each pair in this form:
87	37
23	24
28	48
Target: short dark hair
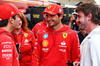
59	15
14	17
87	8
62	18
3	23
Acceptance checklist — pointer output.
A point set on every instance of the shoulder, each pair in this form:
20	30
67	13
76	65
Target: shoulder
70	31
39	23
8	36
94	44
38	26
5	35
28	32
67	28
7	40
95	39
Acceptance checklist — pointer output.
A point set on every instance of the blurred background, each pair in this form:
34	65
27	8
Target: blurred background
35	7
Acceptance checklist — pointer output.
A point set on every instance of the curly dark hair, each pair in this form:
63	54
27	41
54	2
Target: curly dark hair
87	8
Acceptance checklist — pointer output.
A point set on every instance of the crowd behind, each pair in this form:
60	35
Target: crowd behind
50	43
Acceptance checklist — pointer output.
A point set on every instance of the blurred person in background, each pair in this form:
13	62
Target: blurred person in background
88	18
72	23
24	40
58	44
9	20
39	27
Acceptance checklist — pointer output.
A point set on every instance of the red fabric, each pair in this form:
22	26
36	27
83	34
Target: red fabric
8	53
8	10
53	9
55	48
26	49
39	27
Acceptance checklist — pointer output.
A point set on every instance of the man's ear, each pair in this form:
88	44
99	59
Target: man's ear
10	20
89	16
61	16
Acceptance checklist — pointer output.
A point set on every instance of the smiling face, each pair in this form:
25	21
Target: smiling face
82	20
53	20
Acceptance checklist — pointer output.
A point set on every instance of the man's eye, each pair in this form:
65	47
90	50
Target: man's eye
46	15
52	15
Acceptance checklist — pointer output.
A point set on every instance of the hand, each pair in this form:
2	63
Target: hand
72	18
76	63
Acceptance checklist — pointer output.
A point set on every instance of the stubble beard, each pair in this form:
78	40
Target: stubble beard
83	25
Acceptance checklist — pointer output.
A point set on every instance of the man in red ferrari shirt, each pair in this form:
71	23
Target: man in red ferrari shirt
9	20
39	27
58	44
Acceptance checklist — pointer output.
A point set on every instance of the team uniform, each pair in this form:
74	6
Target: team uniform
8	52
24	42
55	48
39	27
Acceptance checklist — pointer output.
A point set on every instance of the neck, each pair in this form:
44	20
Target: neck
92	26
17	31
57	27
83	32
7	29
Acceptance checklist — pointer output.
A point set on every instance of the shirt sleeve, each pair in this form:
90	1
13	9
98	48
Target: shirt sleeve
37	52
34	61
34	30
75	49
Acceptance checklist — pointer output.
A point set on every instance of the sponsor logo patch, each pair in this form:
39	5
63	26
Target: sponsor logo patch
60	10
7	56
25	34
45	49
49	7
45	36
65	35
7	50
45	43
63	44
26	41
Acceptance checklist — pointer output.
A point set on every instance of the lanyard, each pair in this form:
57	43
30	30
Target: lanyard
18	45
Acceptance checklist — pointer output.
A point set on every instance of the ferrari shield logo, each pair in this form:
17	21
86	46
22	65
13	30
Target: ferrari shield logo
49	7
25	34
64	35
